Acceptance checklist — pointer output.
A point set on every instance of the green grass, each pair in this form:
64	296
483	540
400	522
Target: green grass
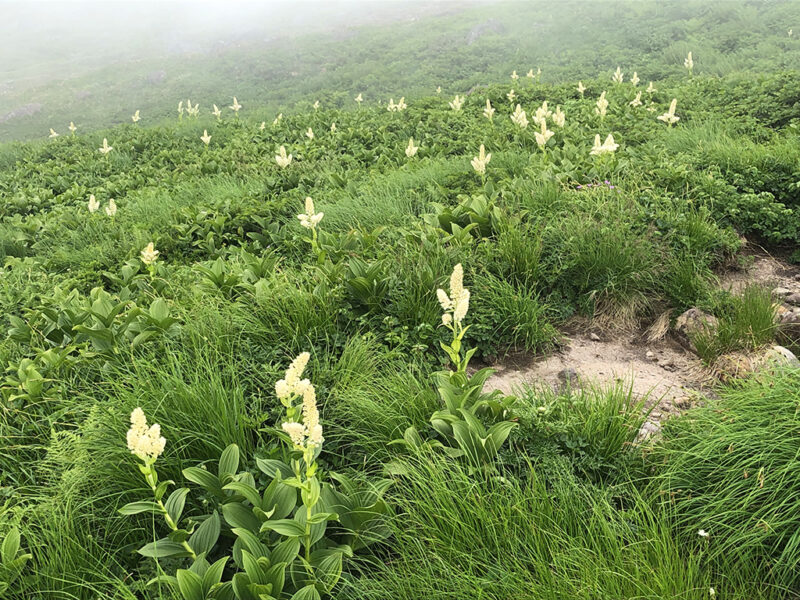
746	322
573	506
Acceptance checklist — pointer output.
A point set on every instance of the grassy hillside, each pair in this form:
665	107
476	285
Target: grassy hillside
465	46
183	274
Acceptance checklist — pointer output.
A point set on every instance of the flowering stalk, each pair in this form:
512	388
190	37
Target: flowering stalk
147	444
310	219
305	435
455	308
149	256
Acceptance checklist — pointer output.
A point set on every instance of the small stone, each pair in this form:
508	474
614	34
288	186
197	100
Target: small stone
569	376
594	337
781	292
692	322
793	299
780	356
648	430
650	356
789	325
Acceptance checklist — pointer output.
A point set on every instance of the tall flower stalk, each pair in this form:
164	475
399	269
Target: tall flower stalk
147	444
310	219
455	306
304	431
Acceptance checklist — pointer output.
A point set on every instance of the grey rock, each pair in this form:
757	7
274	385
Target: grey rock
692	322
648	430
793	299
568	380
781	292
780	356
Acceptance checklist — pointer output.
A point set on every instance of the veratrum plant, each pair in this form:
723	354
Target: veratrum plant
478	214
288	540
462	424
12	559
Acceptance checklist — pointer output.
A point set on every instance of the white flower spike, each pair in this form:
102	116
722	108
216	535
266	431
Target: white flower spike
145	442
149	255
411	149
543	135
310	219
602	105
669	117
282	158
479	162
488	112
519	118
607	147
456	103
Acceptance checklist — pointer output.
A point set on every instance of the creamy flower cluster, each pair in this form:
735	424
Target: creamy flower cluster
488	112
149	255
456	305
307	433
519	118
479	162
411	149
456	103
399	106
283	159
145	442
669	117
310	219
543	134
607	147
602	105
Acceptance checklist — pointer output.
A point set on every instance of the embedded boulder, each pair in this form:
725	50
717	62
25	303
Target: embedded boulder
692	322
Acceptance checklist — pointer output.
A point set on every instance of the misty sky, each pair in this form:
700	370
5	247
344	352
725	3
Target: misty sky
56	39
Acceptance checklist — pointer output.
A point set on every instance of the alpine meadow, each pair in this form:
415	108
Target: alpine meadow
365	300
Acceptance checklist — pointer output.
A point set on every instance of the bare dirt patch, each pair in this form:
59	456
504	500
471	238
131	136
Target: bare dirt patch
669	377
662	372
762	269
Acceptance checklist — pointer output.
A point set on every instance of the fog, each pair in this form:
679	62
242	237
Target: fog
46	41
